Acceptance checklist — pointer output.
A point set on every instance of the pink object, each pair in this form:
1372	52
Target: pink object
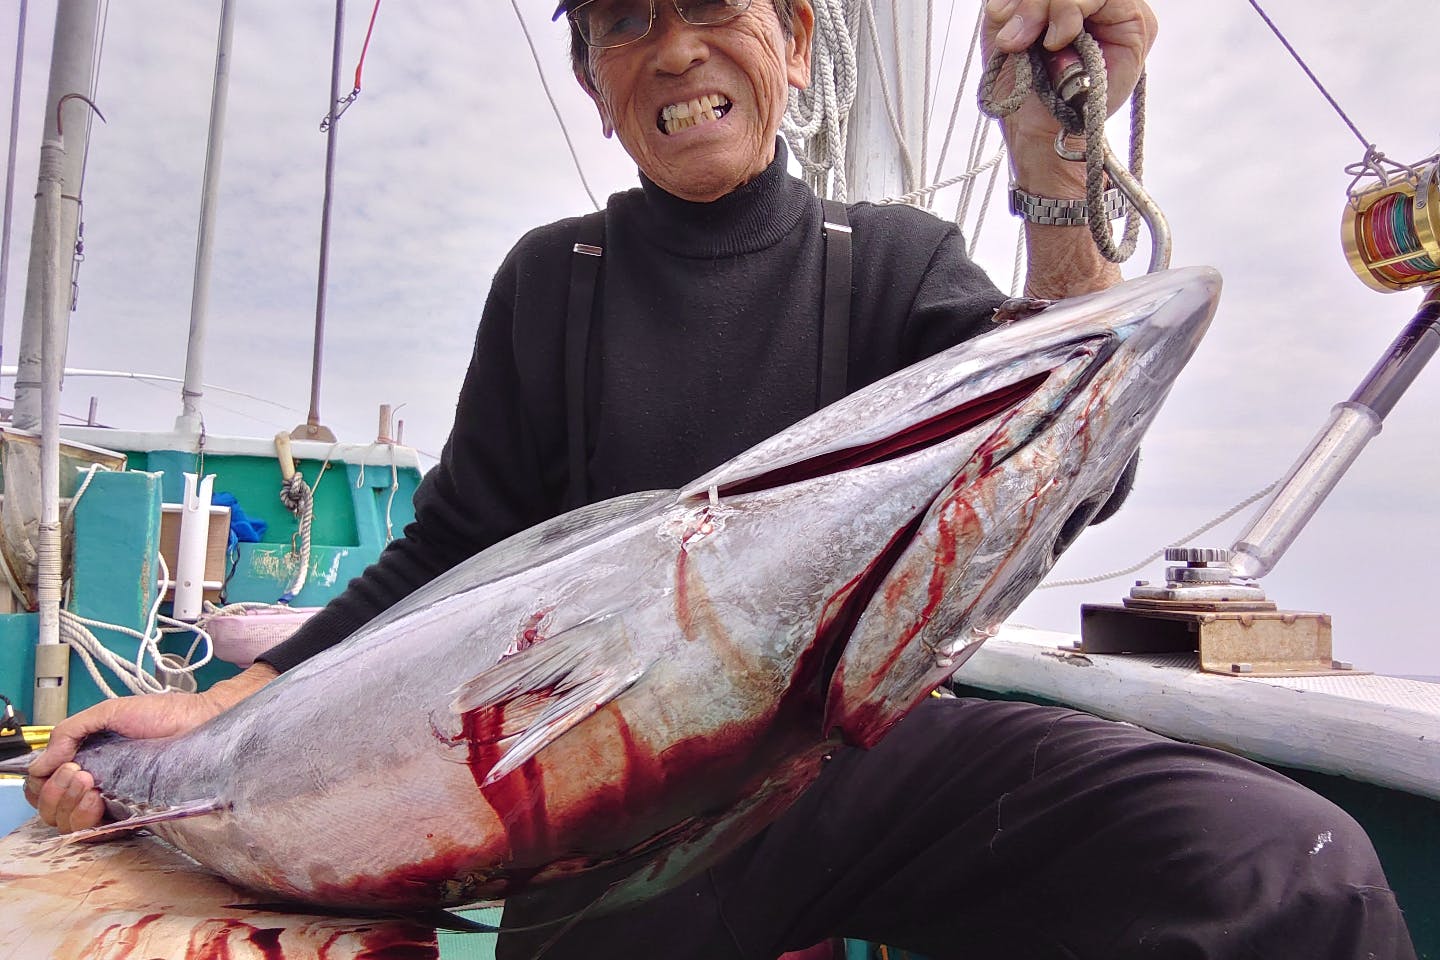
829	950
241	637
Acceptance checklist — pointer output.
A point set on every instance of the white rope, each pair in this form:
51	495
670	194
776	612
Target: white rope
394	484
132	674
1178	542
959	95
1017	275
299	499
916	195
817	119
984	208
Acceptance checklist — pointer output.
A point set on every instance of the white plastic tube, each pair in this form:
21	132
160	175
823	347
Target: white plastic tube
190	555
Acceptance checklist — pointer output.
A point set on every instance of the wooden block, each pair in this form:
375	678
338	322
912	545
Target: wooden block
138	898
217	539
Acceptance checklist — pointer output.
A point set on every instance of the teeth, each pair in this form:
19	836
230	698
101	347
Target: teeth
684	115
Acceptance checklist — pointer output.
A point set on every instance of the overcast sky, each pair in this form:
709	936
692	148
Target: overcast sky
452	152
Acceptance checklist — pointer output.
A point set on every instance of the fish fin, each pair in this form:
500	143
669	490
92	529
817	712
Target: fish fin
17	766
539	694
179	811
529	548
435	917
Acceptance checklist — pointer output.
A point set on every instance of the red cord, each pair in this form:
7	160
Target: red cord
359	67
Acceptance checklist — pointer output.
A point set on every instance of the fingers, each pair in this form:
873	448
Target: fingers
67	736
67	799
1016	24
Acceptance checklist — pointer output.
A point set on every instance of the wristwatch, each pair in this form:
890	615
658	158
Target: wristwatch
1063	213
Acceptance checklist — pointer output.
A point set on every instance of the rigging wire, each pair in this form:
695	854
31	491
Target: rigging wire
554	107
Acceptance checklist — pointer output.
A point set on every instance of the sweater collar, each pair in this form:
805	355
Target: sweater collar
756	215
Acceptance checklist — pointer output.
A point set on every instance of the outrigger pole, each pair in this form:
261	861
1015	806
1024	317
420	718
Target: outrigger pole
311	429
190	420
43	338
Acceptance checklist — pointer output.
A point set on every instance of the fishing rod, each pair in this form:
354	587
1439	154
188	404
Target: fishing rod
1390	234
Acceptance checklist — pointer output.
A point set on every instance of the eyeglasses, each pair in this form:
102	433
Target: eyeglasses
614	23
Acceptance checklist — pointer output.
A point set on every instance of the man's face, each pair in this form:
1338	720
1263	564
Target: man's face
698	107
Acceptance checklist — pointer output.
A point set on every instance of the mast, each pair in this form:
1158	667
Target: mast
189	420
71	71
880	163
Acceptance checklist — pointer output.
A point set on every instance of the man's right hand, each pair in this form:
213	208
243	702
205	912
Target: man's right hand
65	795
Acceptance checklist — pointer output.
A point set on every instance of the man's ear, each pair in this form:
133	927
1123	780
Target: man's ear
802	31
582	77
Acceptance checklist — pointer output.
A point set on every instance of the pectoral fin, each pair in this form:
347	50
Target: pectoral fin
538	695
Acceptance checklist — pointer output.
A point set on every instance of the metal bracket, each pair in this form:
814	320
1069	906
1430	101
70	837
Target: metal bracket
1232	637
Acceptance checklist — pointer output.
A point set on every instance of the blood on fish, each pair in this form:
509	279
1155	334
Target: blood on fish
213	939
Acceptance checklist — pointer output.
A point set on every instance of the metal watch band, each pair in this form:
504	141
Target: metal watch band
1063	213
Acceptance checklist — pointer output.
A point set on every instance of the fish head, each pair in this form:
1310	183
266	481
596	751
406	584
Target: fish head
1069	394
970	473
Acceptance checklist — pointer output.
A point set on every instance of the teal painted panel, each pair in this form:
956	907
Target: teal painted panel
255	482
382	502
117	540
18	634
471	946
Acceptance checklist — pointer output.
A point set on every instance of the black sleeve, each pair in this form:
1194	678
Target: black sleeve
954	302
488	485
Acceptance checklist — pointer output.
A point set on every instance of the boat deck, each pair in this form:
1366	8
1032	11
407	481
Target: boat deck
1378	729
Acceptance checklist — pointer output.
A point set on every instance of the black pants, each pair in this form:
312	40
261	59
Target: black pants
993	830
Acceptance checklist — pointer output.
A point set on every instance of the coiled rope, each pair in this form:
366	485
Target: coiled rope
299	499
817	118
1031	75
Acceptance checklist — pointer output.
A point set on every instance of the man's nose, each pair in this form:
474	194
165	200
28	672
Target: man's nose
678	45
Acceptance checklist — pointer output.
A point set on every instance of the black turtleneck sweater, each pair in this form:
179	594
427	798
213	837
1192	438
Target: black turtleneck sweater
706	342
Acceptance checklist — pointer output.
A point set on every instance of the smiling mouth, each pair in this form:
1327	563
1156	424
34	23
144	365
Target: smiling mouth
692	113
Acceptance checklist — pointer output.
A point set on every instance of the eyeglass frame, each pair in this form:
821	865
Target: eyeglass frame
654	12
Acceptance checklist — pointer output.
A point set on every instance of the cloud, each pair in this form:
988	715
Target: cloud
451	153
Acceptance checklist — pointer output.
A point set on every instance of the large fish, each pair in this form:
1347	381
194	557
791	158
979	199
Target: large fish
650	680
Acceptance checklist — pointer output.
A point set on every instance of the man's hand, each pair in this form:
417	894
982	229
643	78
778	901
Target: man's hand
1063	260
65	795
1125	30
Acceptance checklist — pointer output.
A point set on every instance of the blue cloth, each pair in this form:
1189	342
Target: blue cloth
243	528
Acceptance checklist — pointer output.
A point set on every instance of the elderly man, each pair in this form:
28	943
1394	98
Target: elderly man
975	829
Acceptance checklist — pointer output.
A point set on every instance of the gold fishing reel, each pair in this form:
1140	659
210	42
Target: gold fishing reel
1391	231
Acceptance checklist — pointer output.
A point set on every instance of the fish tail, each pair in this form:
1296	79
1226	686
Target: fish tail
17	766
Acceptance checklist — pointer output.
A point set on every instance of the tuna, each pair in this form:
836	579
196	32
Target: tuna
650	680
